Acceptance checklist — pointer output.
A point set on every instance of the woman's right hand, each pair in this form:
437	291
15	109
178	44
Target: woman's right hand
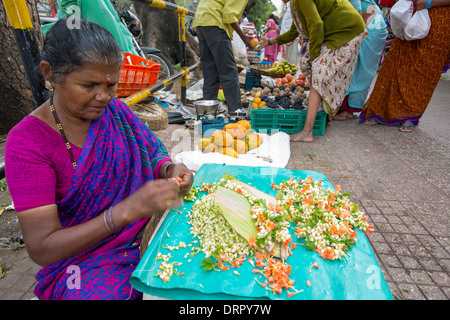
153	196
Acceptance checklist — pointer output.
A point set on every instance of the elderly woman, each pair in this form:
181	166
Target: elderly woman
85	174
335	31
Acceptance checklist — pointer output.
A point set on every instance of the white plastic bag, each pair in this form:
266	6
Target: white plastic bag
401	13
239	48
419	26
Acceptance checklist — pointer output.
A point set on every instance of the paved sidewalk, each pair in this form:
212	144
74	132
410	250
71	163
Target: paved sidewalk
401	180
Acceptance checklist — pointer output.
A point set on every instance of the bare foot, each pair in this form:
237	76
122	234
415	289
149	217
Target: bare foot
302	136
344	115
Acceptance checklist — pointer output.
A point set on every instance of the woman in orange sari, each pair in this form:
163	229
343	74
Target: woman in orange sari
410	73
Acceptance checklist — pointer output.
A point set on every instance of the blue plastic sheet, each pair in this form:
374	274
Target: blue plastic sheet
357	277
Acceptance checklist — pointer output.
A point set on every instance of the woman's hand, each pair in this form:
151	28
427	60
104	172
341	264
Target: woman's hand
184	177
263	42
153	196
419	4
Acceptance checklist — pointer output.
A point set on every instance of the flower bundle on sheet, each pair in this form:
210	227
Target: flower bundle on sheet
236	222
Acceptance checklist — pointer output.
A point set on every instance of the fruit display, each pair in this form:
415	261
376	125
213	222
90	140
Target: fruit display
234	139
289	80
287	97
283	67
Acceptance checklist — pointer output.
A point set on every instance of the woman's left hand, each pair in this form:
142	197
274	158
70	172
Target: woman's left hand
263	42
184	177
419	4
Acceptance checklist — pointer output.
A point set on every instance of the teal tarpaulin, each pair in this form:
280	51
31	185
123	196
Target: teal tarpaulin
357	277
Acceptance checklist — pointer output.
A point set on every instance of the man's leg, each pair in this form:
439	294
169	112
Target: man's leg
220	46
208	65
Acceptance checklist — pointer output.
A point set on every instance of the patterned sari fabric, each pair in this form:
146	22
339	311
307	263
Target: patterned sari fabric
331	72
120	154
409	74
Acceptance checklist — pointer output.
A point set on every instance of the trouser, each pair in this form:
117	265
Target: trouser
218	66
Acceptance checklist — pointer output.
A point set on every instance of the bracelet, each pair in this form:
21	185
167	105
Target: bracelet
111	220
429	4
106	223
164	173
269	40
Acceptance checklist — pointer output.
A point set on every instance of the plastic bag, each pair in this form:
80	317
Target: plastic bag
419	26
401	13
239	48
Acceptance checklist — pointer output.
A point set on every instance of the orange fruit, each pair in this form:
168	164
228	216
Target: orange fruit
254	42
257	100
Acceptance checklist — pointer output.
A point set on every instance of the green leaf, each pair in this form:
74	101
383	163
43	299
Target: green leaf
208	264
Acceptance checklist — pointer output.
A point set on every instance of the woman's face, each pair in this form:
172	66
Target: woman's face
86	91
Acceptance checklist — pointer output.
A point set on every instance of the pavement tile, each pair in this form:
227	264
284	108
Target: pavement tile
432	293
440	278
432	264
446	291
409	262
409	292
9	280
390	260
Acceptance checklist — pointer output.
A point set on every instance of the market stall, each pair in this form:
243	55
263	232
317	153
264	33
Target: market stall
179	262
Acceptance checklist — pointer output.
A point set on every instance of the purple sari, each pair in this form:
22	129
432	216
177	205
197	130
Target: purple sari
120	154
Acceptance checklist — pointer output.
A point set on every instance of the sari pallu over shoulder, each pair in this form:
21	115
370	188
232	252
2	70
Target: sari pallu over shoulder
120	154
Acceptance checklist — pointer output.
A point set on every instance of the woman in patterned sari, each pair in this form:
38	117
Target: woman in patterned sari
85	174
410	73
334	30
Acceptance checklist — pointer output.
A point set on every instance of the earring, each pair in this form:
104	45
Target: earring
48	85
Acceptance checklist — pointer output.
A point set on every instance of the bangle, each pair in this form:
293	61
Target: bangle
429	4
269	40
111	220
106	223
164	173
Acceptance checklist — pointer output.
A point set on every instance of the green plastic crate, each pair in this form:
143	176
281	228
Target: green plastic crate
288	121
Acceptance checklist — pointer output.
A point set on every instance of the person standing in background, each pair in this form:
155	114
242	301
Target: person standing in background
215	22
368	58
271	52
291	48
410	73
335	32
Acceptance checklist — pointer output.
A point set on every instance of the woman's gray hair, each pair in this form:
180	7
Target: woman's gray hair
67	49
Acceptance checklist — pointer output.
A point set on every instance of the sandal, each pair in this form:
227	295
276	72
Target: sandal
407	127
